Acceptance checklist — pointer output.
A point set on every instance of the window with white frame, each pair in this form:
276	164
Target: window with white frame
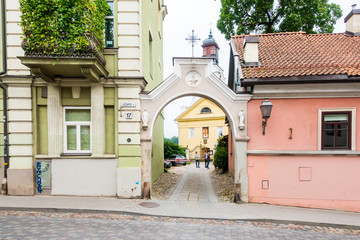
337	129
109	27
77	130
191	132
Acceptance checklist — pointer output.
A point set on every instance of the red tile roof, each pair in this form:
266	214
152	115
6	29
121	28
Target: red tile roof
301	54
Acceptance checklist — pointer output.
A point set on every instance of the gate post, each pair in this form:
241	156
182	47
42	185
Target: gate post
241	175
146	167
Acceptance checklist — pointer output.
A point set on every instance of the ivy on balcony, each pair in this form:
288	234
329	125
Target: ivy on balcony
64	28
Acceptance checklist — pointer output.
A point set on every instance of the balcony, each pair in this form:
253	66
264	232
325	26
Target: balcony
87	62
64	39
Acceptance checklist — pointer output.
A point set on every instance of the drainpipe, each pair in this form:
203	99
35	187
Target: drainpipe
6	152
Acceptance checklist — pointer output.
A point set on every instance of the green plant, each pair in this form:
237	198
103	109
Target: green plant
221	154
60	27
171	148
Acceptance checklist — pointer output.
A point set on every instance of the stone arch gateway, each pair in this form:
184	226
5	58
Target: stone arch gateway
196	77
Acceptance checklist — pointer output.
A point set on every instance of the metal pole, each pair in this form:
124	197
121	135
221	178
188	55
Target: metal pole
6	152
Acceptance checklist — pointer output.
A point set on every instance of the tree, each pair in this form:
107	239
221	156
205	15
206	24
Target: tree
268	16
173	139
171	148
221	154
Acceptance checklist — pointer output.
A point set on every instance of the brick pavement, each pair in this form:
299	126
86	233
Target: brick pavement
195	186
40	225
203	208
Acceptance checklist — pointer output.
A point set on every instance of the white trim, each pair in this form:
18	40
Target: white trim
302	153
339	109
329	90
77	125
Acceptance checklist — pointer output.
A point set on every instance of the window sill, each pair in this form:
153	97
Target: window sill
111	51
304	153
75	154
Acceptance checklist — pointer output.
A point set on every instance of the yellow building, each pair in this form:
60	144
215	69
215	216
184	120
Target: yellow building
200	126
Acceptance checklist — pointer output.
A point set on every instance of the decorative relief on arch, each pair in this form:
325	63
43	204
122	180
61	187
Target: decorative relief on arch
193	79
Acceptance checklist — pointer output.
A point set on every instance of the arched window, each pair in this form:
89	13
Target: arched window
205	110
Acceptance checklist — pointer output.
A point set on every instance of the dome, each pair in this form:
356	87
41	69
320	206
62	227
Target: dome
209	40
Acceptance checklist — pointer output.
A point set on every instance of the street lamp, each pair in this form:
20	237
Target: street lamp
265	108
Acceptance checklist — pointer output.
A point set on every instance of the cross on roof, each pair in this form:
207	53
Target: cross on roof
192	39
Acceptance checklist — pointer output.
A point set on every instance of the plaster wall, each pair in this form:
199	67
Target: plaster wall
294	171
299	114
13	41
86	177
306	181
128	37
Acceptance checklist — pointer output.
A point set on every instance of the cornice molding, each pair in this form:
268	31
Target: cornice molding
302	153
331	90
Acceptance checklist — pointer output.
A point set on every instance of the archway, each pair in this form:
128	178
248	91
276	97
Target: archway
197	77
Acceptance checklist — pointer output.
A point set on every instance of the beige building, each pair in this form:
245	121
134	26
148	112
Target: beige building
200	126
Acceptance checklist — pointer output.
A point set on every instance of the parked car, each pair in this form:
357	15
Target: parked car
167	164
177	159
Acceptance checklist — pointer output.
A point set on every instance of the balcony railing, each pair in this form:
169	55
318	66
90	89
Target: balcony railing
50	61
93	49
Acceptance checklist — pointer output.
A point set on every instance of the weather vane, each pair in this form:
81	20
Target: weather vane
192	39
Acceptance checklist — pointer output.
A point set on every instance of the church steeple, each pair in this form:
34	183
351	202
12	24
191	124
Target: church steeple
210	48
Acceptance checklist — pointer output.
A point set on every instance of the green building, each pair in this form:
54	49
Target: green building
73	102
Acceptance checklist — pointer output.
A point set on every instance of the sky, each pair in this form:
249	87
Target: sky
201	16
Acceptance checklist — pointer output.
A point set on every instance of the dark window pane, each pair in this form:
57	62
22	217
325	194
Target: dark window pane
330	126
342	126
109	32
205	110
329	139
342	139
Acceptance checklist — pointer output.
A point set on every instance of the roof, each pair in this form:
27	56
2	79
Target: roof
193	112
299	54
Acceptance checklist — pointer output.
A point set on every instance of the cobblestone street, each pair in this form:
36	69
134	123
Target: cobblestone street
47	225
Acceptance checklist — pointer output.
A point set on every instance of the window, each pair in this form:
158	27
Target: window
191	132
205	132
77	125
336	131
109	27
205	110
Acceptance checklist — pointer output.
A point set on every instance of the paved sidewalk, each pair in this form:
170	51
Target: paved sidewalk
189	201
195	186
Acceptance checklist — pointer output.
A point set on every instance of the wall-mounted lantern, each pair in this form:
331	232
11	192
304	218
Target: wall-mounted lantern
265	108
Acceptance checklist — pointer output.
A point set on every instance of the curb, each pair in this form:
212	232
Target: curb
97	211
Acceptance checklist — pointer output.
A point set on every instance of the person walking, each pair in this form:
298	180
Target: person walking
197	161
207	160
205	157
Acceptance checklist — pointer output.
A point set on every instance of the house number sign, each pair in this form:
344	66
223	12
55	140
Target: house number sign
128	115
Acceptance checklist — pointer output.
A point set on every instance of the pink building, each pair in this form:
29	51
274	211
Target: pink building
309	152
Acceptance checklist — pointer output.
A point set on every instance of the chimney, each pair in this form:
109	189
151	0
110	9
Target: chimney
251	51
352	21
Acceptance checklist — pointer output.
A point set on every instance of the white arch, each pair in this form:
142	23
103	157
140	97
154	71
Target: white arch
197	94
183	82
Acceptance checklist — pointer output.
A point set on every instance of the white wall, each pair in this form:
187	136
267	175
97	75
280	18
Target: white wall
84	177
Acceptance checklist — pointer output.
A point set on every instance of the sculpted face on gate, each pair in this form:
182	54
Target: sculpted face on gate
193	79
